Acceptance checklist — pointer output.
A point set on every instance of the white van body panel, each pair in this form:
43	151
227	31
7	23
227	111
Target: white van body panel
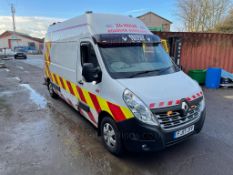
163	88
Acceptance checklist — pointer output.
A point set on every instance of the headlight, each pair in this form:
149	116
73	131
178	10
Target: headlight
202	104
138	108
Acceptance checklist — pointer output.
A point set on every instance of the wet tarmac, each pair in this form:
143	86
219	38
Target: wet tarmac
40	135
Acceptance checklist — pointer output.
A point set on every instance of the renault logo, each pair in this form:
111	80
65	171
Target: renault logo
185	108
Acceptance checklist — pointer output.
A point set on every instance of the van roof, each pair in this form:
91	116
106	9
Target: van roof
94	24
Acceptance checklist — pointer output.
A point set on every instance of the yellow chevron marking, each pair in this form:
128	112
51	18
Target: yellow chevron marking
103	105
53	75
75	90
66	86
46	72
46	53
49	45
58	80
127	113
88	98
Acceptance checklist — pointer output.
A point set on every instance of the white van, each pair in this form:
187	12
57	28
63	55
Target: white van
115	72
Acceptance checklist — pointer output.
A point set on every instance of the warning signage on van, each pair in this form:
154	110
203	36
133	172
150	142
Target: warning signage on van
125	28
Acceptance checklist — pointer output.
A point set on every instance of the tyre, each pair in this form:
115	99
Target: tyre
111	136
51	91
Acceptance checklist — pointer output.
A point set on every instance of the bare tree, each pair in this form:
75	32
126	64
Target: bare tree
201	15
226	26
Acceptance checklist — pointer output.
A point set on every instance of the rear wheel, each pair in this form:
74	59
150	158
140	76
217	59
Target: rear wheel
111	136
51	91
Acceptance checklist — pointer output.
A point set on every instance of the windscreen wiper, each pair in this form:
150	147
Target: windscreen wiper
165	69
149	71
143	72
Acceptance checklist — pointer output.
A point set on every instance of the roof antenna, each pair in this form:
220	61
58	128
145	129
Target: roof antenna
89	12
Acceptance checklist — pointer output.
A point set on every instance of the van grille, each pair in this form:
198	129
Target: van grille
176	118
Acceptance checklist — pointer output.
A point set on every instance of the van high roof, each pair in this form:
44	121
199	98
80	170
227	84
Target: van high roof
91	24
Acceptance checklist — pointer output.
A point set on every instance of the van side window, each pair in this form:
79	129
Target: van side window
88	54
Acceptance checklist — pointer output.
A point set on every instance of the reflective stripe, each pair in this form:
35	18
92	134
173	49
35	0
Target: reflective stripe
62	83
91	117
75	91
58	80
55	78
88	99
116	111
70	88
95	102
81	94
127	113
104	105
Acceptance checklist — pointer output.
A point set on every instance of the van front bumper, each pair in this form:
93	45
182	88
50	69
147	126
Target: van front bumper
137	136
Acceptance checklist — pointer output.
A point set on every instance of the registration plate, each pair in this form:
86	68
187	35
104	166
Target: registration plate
183	132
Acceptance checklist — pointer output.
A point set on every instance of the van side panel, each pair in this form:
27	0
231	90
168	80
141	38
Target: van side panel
63	59
73	94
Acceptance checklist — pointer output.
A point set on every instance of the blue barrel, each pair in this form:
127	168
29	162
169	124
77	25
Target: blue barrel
213	77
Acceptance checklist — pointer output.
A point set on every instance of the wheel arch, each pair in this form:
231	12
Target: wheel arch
102	115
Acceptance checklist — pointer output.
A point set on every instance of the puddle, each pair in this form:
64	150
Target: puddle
6	93
35	96
14	78
17	78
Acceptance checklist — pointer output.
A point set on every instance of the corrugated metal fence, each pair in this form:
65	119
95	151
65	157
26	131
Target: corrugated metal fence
203	50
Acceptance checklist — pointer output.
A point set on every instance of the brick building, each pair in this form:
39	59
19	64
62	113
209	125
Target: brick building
155	22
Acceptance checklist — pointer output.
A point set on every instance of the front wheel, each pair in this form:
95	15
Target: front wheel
111	136
51	91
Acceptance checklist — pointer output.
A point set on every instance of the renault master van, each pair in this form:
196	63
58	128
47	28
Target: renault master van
115	72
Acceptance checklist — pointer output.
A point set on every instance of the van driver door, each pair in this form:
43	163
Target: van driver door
87	89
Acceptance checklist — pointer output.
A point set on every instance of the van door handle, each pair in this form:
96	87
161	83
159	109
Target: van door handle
80	82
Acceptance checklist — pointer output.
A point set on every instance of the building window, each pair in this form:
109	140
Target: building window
31	45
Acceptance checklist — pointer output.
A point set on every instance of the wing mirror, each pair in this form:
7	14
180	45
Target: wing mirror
91	73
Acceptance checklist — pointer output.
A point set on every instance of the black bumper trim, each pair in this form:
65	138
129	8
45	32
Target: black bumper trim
137	135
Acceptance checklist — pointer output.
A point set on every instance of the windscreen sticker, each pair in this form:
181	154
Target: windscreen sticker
147	48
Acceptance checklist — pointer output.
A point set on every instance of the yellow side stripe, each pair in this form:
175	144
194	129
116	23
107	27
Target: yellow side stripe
75	90
66	86
103	104
88	98
128	114
58	80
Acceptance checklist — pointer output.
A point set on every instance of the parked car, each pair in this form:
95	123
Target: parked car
7	52
20	53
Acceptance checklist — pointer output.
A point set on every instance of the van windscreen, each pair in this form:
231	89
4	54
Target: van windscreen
129	60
